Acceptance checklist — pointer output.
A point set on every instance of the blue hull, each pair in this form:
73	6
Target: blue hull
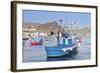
58	51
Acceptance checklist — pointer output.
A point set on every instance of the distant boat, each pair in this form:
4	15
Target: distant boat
36	41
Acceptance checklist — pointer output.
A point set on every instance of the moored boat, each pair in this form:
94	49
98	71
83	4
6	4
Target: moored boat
68	46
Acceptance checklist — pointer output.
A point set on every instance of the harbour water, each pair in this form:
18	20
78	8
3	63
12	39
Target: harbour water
84	52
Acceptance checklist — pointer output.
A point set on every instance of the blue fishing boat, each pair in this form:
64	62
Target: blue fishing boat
68	46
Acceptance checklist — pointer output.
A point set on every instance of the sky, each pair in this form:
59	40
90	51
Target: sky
68	18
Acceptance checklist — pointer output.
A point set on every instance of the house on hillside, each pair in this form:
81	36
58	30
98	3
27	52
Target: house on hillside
41	30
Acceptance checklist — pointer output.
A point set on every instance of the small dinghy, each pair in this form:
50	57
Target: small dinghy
36	41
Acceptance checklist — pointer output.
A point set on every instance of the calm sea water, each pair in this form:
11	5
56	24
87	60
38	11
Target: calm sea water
31	54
